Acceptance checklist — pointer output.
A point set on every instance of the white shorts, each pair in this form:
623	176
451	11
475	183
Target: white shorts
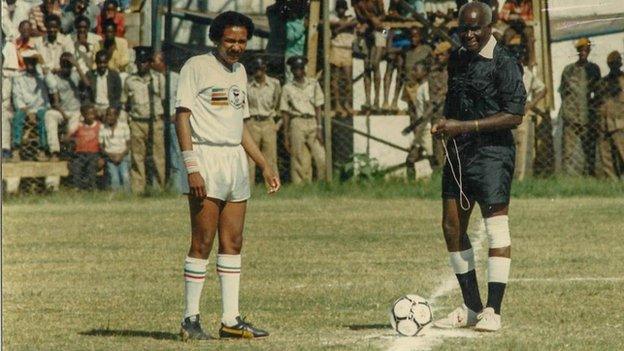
225	171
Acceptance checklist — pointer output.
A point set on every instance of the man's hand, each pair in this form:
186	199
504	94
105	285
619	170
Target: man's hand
119	158
271	179
278	125
361	28
39	59
448	127
197	186
287	143
319	134
113	158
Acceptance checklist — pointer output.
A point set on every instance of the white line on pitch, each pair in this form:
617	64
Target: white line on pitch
432	337
574	279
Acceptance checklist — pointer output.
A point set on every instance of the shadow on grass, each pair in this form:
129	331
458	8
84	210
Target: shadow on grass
368	326
132	333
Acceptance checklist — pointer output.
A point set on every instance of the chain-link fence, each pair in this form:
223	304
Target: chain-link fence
387	89
89	155
28	165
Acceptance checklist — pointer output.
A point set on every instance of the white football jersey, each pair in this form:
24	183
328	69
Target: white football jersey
216	97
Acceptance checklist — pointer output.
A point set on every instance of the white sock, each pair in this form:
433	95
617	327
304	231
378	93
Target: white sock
229	268
462	261
194	276
498	269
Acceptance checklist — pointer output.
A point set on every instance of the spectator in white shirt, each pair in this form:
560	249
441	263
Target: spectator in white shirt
10	67
30	95
86	43
115	142
65	101
53	44
13	13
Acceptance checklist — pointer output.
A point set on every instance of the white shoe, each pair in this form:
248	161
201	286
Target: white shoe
461	317
488	320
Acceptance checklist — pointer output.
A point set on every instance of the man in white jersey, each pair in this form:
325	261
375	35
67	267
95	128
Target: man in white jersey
211	105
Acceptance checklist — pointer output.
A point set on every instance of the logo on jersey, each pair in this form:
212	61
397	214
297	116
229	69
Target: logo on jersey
236	97
218	97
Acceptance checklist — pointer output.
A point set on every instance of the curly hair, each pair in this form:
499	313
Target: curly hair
109	22
52	17
81	19
102	55
229	19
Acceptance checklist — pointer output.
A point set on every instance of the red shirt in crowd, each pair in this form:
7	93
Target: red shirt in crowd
87	137
22	45
119	21
517	9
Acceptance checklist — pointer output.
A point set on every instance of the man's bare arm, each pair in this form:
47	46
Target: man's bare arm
183	128
252	149
270	177
499	121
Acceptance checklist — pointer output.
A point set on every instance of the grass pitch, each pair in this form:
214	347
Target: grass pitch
318	273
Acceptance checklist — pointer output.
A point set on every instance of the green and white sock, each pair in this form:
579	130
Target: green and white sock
194	276
229	268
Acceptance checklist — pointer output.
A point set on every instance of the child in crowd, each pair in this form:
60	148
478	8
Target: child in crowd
110	11
341	59
84	165
115	142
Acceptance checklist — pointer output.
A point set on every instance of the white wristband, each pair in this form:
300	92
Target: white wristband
191	161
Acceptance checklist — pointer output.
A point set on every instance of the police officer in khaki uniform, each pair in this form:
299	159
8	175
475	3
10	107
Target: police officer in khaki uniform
611	141
300	104
145	91
264	97
578	89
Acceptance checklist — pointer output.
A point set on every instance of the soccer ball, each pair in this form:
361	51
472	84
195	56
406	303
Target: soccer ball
410	314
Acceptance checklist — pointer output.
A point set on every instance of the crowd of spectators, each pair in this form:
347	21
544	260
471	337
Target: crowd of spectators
74	90
415	38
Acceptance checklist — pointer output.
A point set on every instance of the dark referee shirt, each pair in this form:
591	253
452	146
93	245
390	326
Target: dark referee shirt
481	85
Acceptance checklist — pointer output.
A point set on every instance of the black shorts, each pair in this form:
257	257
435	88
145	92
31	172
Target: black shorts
487	171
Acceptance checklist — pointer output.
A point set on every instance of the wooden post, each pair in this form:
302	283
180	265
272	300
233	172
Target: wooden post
542	35
34	169
315	10
156	26
329	158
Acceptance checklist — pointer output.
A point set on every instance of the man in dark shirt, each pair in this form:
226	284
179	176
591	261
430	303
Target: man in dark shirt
485	100
105	88
277	15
